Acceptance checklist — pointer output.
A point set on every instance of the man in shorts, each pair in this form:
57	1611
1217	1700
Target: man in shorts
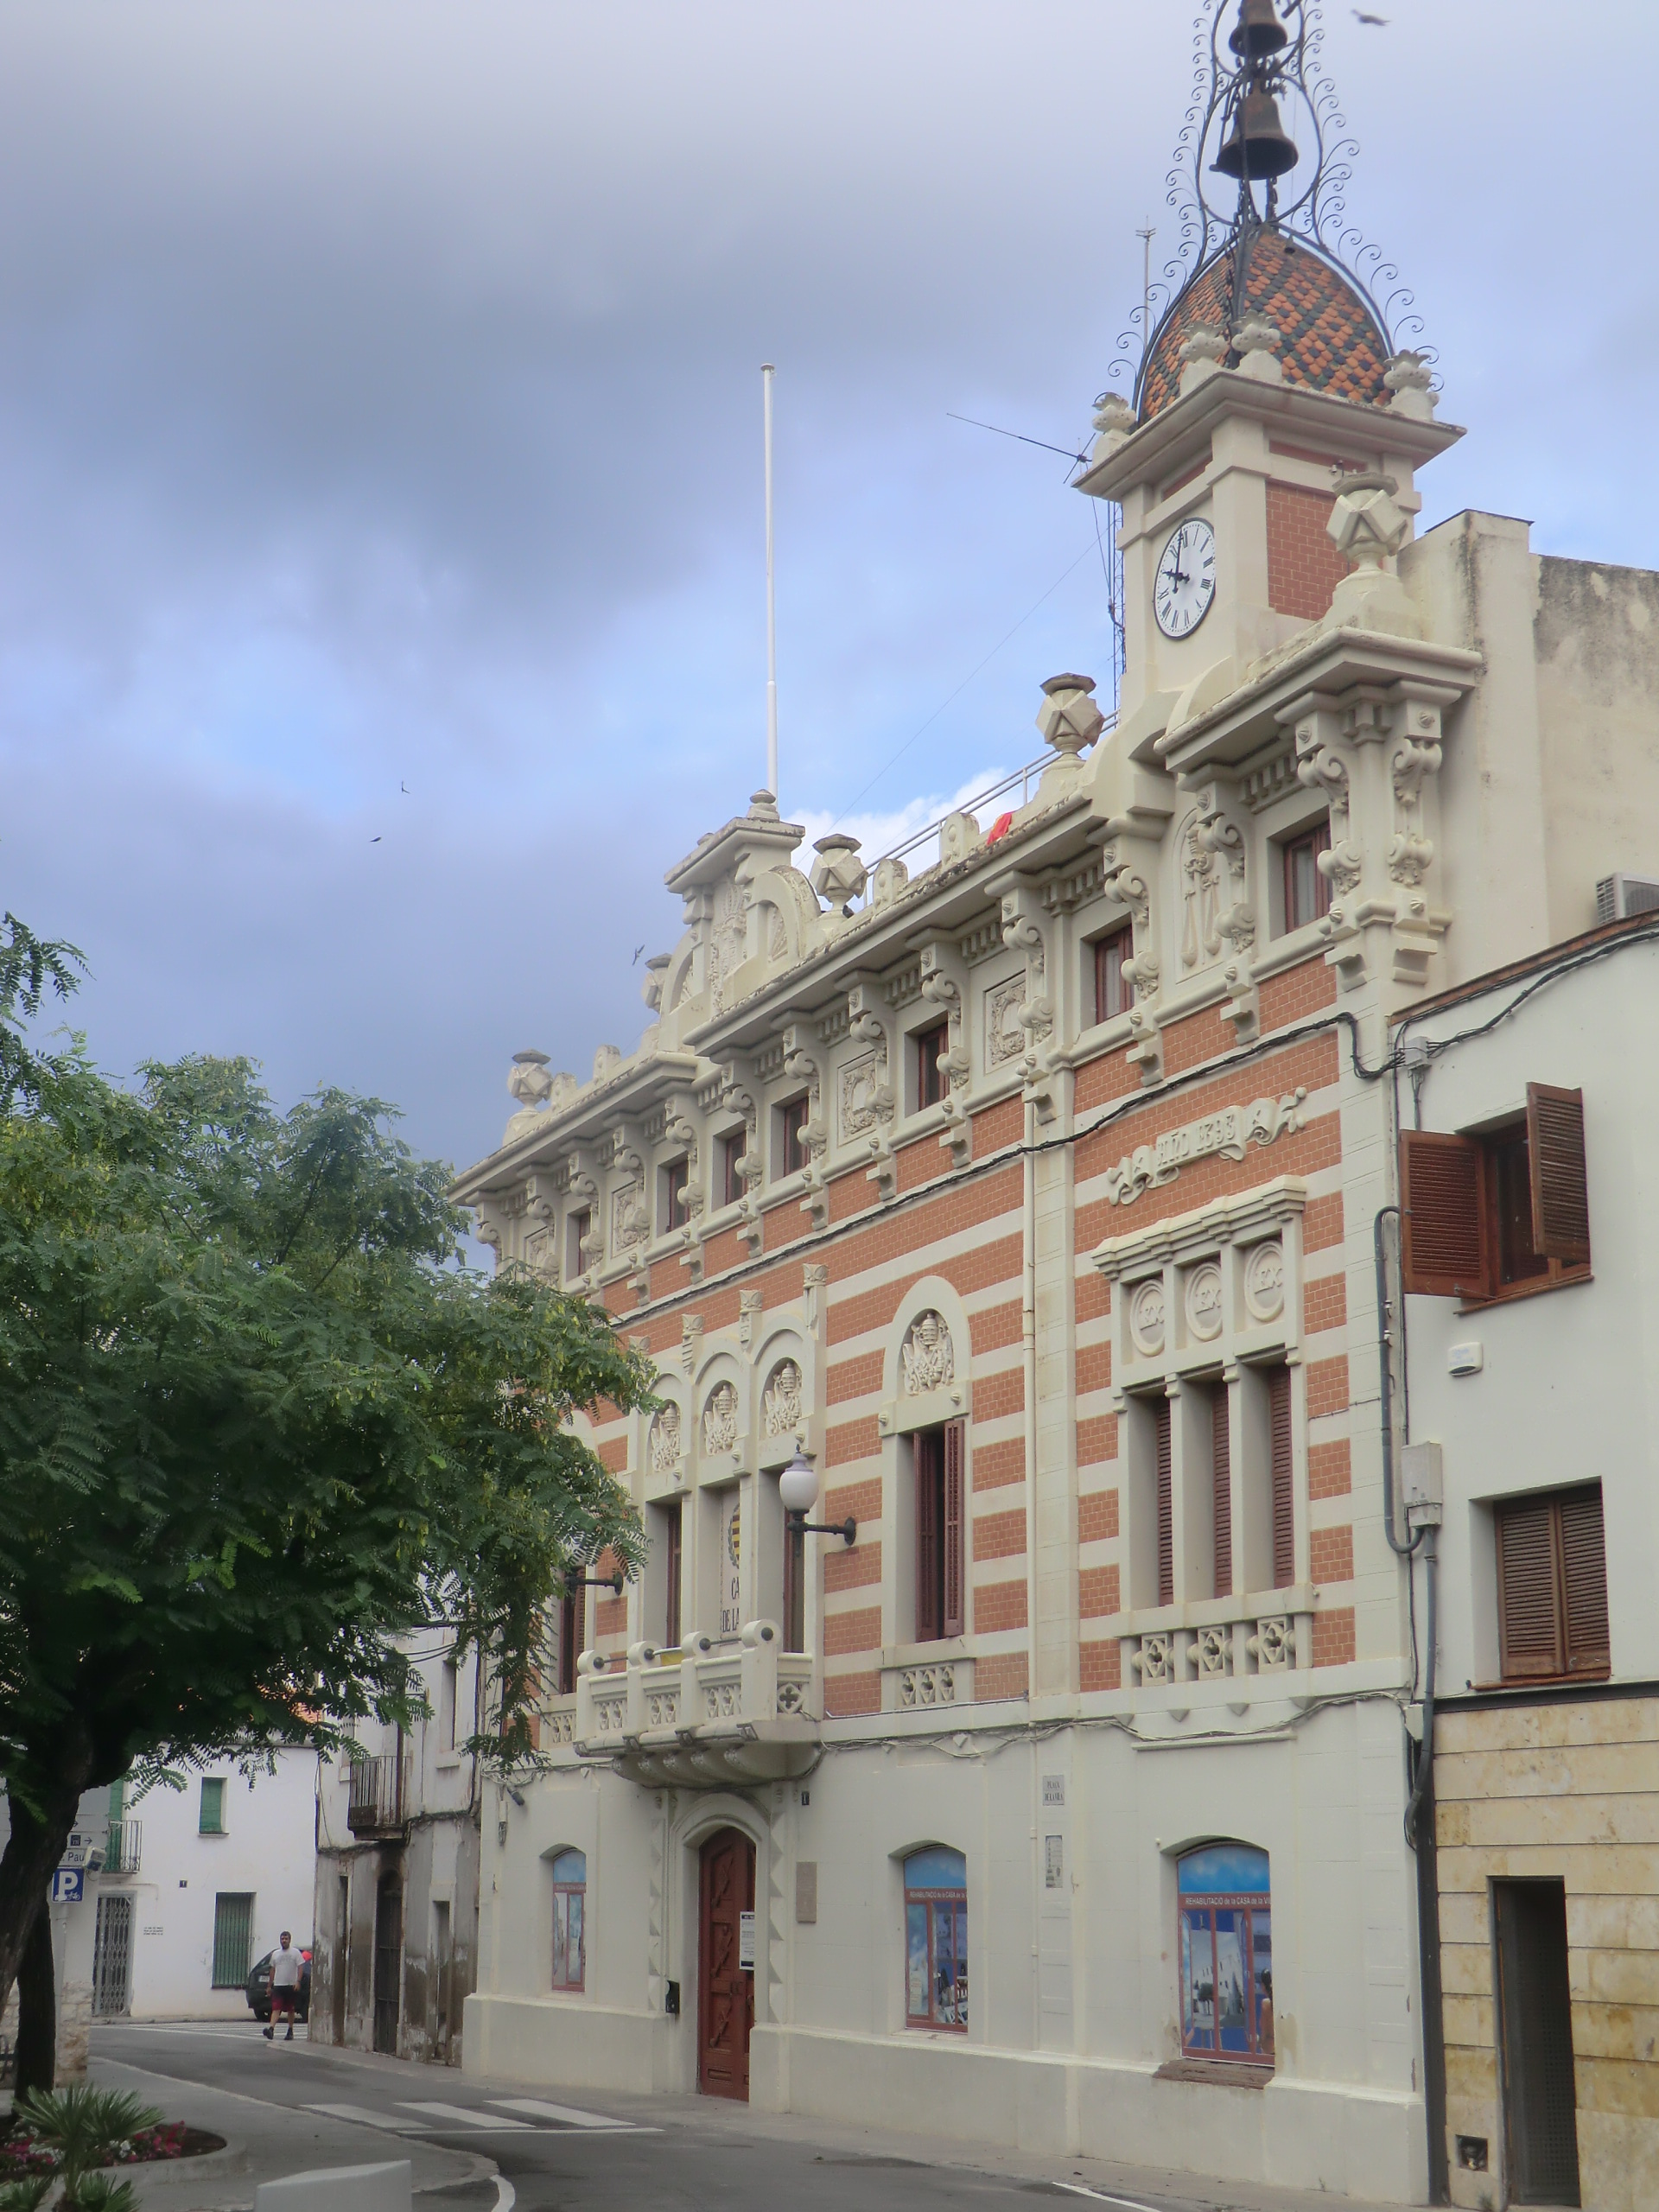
287	1967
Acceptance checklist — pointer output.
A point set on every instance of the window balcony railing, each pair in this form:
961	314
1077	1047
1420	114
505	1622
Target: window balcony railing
710	1714
125	1850
1223	1639
379	1804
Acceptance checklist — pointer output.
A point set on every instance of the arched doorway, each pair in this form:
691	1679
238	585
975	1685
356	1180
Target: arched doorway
725	1988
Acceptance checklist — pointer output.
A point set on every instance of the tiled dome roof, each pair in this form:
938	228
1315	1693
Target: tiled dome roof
1331	338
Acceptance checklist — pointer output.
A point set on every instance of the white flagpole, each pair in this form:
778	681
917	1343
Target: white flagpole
767	373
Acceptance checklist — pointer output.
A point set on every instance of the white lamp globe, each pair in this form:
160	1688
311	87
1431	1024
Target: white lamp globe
798	1485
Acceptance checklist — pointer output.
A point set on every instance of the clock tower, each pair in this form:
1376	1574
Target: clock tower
1269	382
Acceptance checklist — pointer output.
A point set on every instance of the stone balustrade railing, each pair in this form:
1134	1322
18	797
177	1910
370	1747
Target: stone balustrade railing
697	1708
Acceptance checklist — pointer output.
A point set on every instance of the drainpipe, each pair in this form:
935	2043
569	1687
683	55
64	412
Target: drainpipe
1028	1366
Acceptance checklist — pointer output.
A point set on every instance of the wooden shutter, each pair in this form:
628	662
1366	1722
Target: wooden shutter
1222	1489
1444	1245
568	1641
1161	1412
1560	1192
1528	1590
929	1504
671	1569
1584	1583
954	1608
1284	1487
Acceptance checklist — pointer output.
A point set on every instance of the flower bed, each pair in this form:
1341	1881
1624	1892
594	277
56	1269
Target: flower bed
22	2152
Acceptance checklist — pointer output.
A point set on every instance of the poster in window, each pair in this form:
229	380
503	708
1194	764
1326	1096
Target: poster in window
731	1555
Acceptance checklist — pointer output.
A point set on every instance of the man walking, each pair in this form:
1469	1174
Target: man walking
286	1969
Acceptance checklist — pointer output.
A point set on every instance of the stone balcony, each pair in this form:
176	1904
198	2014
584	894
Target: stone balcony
711	1714
1215	1640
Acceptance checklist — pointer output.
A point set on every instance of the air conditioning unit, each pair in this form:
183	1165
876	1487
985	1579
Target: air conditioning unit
1618	897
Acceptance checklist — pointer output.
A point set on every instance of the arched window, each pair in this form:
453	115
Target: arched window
1226	1953
935	1938
570	1901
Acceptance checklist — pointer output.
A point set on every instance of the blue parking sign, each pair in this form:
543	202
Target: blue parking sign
67	1886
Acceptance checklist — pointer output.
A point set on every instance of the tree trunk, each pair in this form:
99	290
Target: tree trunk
36	1842
37	2009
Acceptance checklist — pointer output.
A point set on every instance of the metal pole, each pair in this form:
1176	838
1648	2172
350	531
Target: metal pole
1146	238
767	373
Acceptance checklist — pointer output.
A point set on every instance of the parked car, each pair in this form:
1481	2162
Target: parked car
259	1987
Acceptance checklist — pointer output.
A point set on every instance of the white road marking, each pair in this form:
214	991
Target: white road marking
365	2117
468	2115
1130	2204
506	2194
566	2115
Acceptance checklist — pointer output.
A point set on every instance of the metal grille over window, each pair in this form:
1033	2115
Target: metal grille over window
1226	1932
570	1907
232	1938
935	1938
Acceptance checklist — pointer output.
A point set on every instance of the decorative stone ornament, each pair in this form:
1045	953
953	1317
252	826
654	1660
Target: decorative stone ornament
720	1418
1409	379
667	1446
1264	1281
1147	1317
1202	352
927	1358
1202	1302
1230	1133
780	1405
1257	342
838	875
1367	528
1068	718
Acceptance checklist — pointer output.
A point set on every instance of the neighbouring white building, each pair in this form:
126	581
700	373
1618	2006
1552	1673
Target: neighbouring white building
397	1878
197	1884
1052	1784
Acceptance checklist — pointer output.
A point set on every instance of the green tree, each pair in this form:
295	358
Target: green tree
255	1427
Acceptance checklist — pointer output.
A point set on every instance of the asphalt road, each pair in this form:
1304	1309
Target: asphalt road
580	2153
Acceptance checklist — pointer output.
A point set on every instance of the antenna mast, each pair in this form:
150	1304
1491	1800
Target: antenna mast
766	374
1146	238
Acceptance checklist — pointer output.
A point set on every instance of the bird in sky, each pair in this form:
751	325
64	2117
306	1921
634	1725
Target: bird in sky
374	841
1380	21
405	790
638	950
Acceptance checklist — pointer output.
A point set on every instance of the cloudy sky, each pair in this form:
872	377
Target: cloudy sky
380	458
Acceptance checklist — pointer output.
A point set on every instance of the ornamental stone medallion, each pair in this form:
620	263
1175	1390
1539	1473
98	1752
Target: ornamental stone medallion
1005	1039
665	1445
1264	1280
1147	1317
1203	1302
720	1418
927	1357
780	1405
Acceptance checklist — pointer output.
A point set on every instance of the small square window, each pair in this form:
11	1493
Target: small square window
1113	993
728	1165
1307	888
211	1821
928	1048
790	1154
673	1212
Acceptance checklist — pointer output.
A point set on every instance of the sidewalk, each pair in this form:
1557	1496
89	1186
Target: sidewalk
264	2141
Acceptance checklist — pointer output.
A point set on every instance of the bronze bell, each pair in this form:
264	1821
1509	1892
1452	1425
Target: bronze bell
1258	145
1258	31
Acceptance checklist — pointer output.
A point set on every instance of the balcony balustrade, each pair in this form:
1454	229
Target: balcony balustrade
379	1804
711	1713
124	1851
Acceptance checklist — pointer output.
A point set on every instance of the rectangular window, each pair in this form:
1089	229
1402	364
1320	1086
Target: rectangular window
576	1227
940	1609
1282	1474
673	1563
1165	1501
1226	1961
212	1819
1221	1489
448	1689
569	1637
936	1940
794	1621
1552	1585
1113	995
569	1916
731	1152
672	1212
928	1050
1501	1213
1307	888
232	1938
790	1154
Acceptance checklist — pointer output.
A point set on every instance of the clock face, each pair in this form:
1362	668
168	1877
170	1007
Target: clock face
1185	579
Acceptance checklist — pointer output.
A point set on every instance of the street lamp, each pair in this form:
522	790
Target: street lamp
797	1486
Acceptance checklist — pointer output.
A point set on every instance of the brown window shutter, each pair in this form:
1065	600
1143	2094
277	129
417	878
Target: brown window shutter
954	1613
1443	1240
569	1637
1584	1583
1528	1589
1561	1190
1284	1489
1222	1491
1161	1411
928	1535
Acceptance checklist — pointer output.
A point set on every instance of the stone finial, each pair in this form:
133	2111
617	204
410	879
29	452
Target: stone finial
763	806
606	1060
656	980
1202	351
1256	341
1367	528
528	1080
1411	382
838	875
1068	718
890	878
1114	420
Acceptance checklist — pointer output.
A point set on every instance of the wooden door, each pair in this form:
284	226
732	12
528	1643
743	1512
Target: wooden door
725	1990
388	1962
1535	2043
